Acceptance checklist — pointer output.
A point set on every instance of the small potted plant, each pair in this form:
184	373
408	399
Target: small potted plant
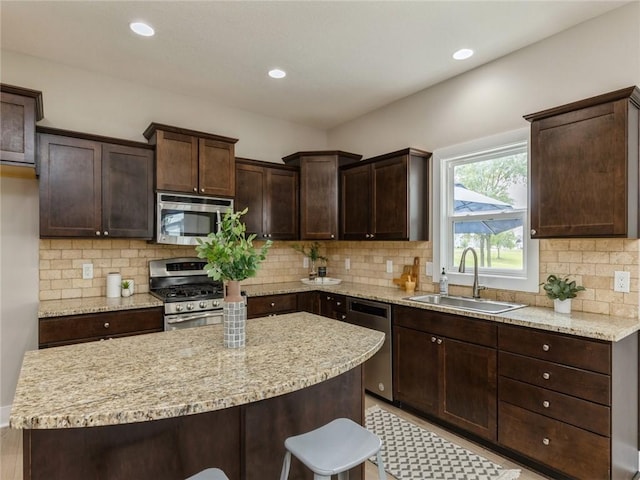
561	291
126	288
312	252
231	257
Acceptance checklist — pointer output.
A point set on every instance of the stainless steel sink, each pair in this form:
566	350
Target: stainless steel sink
466	303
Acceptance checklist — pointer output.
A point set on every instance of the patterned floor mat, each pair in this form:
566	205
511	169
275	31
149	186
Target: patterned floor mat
410	452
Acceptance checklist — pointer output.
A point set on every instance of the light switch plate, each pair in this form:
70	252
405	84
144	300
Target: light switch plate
389	266
305	262
347	264
429	269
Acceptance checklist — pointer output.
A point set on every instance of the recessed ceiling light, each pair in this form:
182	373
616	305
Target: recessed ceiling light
277	73
463	54
142	29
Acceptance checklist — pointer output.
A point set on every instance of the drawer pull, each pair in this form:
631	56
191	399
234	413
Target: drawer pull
433	339
273	304
545	347
344	316
546	375
546	404
338	303
106	324
546	441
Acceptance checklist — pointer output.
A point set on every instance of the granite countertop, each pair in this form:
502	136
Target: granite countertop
78	306
590	325
601	327
183	372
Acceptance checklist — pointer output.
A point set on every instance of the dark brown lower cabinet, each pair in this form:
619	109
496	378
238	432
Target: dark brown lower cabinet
67	330
269	305
441	370
247	441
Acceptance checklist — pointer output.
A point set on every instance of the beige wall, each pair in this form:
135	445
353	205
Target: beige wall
595	57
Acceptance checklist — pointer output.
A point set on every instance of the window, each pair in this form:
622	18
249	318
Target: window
481	201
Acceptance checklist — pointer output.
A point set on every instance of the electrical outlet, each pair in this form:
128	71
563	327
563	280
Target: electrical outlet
389	266
621	281
305	262
87	271
347	264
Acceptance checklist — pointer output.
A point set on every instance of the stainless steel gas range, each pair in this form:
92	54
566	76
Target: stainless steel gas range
191	298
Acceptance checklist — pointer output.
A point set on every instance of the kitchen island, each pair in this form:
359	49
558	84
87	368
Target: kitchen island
166	405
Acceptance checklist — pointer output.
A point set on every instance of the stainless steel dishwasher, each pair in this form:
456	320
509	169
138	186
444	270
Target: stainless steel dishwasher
377	370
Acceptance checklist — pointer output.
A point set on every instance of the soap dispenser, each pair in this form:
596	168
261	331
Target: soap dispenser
444	283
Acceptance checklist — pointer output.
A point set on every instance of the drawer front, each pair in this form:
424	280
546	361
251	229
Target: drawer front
590	386
448	325
271	305
574	411
99	325
565	448
568	350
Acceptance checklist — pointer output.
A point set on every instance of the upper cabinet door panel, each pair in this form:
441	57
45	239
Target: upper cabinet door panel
390	199
250	181
584	168
282	204
176	162
127	191
70	186
356	197
217	168
319	190
20	108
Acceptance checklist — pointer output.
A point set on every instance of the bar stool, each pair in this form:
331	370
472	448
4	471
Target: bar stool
333	449
209	474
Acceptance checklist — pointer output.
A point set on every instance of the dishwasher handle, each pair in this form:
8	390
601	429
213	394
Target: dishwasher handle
375	309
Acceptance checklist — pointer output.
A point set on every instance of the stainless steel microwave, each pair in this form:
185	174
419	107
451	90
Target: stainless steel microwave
181	219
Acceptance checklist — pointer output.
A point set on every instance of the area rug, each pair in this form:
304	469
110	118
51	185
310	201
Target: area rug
410	452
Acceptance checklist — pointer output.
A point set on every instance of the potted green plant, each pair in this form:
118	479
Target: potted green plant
232	257
126	288
561	291
312	252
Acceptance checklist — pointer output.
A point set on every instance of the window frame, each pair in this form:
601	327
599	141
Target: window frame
443	190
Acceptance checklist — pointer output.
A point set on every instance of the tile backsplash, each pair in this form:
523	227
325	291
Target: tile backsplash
591	262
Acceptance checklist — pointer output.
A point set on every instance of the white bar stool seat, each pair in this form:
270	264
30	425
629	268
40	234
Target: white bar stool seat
333	449
209	474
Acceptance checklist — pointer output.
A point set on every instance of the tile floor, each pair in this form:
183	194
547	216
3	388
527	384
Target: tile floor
11	448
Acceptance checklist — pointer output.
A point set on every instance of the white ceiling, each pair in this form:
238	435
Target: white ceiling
343	58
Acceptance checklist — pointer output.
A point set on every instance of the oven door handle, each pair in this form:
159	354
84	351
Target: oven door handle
193	317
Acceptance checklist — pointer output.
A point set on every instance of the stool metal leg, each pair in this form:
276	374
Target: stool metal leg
286	464
381	473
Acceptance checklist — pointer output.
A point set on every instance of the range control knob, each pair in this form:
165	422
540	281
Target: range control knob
189	306
203	304
216	303
179	308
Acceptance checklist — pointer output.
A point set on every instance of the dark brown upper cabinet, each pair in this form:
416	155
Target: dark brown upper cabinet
270	192
193	162
319	193
91	186
386	197
20	109
584	167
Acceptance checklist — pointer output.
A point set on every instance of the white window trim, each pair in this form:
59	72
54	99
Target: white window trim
439	227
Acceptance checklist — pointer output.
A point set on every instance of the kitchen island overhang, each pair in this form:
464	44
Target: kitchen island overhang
181	395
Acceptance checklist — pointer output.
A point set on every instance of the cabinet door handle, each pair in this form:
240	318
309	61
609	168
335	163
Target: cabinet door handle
546	404
98	234
195	189
106	234
202	190
533	231
338	303
439	342
343	316
333	236
546	375
372	235
545	347
106	324
546	441
433	339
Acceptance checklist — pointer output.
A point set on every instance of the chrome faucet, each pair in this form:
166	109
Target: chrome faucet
461	269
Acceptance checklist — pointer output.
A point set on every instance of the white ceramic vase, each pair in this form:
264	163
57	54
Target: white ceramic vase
562	306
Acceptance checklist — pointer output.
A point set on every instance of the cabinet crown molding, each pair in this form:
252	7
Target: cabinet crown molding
151	129
26	92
